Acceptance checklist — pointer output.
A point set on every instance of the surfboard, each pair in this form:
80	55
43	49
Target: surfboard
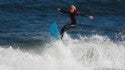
54	32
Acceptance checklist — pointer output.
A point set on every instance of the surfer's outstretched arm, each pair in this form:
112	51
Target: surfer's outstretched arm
90	17
61	10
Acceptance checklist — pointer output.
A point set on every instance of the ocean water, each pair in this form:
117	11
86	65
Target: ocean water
26	44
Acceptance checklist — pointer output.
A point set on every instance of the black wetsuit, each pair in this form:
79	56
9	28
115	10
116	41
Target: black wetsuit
73	21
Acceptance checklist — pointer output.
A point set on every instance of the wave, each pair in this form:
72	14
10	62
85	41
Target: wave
86	53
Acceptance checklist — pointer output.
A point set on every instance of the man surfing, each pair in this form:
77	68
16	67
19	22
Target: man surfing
73	13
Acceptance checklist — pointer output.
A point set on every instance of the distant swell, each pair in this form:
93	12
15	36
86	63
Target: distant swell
90	7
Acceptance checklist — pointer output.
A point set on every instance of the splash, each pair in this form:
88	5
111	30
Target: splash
86	53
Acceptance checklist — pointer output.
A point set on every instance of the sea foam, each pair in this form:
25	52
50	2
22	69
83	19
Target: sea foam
86	53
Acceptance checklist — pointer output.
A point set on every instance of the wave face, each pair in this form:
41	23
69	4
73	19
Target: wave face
87	53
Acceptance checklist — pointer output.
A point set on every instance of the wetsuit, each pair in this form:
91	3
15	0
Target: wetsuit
73	21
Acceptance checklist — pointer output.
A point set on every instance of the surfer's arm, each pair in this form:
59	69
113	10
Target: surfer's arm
61	10
90	17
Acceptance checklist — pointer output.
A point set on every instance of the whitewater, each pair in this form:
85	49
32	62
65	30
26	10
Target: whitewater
85	53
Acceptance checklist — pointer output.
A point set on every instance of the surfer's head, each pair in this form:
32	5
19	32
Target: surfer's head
72	8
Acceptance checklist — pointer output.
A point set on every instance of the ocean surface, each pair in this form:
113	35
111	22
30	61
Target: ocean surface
26	44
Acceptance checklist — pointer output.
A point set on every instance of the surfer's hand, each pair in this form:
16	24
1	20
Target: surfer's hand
91	17
58	9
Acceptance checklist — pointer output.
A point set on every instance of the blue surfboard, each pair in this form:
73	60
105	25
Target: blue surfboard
54	32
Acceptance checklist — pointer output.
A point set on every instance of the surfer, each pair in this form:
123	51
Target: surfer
73	13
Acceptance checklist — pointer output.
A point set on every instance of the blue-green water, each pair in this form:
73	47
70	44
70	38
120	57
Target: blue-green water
29	21
97	44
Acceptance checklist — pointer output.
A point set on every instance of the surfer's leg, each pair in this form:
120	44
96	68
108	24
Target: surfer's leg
70	26
62	31
65	28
